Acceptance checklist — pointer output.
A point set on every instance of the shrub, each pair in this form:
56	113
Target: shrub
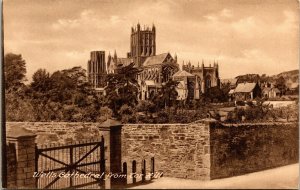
127	114
240	103
105	113
162	116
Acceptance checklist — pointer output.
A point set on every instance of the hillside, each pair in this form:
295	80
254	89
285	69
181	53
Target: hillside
291	76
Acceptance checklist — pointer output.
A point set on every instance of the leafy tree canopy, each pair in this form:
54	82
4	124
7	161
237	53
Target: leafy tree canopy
14	71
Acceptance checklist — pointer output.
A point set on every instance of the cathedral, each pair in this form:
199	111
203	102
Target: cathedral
157	69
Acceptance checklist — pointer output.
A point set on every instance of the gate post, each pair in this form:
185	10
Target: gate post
111	131
22	143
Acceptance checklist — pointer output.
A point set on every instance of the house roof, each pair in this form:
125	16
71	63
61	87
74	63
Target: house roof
120	62
124	61
156	59
266	89
294	85
231	91
276	90
183	74
245	87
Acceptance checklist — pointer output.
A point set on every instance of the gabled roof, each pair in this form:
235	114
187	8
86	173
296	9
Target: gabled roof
124	61
266	89
231	91
294	85
276	90
245	87
156	59
183	74
120	62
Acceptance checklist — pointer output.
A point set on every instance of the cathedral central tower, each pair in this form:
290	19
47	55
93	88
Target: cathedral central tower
142	44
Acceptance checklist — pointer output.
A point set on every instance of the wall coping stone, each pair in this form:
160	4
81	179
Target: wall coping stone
256	124
110	124
19	132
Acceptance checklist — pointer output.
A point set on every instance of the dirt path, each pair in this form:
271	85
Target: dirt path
286	177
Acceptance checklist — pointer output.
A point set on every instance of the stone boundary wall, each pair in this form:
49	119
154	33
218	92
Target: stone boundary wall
11	158
59	132
237	149
202	150
179	150
20	159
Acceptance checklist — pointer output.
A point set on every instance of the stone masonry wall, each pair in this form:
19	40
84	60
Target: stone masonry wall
179	150
59	132
243	148
11	158
203	150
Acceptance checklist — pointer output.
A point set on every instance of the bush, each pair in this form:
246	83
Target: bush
240	103
105	113
162	116
127	114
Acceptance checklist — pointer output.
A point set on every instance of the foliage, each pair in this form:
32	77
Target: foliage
14	71
167	96
127	114
145	106
63	96
105	113
248	78
18	109
280	84
41	81
215	94
122	88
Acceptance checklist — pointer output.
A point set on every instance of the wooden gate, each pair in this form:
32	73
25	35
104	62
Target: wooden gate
80	165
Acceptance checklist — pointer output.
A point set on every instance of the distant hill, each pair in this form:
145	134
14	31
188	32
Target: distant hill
289	76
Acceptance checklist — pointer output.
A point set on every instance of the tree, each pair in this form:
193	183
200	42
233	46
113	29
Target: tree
14	71
122	88
41	81
127	114
64	96
166	96
18	108
215	94
280	84
105	113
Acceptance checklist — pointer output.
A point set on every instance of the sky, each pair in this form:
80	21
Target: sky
243	36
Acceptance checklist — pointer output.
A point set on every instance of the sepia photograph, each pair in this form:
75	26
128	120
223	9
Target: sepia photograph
157	94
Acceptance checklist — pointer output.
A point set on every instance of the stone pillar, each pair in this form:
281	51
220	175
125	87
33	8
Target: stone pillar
22	142
111	131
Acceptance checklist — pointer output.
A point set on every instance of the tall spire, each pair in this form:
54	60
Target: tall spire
153	27
108	61
115	55
175	57
182	66
138	26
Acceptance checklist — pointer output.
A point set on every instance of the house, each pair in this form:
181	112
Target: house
246	91
293	88
270	92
